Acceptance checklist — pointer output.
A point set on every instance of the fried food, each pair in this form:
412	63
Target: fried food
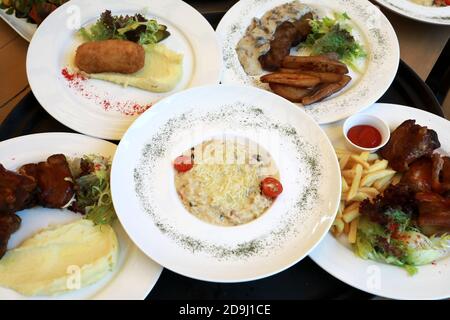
286	35
291	79
326	90
418	177
434	213
119	56
293	94
16	192
314	63
54	180
9	223
407	143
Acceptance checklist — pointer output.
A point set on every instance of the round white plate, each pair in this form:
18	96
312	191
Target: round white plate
135	274
20	25
152	214
99	108
431	282
370	27
407	8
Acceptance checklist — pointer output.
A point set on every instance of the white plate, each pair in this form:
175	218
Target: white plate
135	274
84	109
431	282
20	25
407	8
152	214
370	27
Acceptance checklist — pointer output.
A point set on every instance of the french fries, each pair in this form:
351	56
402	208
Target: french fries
308	79
364	176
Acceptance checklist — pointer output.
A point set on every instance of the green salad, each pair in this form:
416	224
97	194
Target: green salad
387	232
334	35
92	189
133	28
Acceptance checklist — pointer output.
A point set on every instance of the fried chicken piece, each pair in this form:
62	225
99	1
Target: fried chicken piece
407	143
286	35
434	213
16	192
418	177
54	180
120	56
9	223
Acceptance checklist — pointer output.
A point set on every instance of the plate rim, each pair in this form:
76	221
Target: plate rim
221	30
155	112
327	264
115	134
424	19
135	255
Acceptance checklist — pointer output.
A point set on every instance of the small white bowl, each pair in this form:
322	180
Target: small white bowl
366	119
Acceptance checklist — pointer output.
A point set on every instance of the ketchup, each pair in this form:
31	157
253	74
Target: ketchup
364	136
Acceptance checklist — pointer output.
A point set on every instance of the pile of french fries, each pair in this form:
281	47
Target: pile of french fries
308	79
364	176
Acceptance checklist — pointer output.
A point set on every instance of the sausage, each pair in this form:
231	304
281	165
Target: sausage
119	56
286	35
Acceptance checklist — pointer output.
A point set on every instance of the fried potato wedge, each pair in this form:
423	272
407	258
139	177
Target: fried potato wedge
314	63
325	77
293	94
326	90
291	79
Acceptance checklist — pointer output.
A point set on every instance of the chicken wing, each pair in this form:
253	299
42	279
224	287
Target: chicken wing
54	180
16	192
407	143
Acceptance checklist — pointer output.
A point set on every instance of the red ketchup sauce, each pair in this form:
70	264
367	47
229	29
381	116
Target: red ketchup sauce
364	136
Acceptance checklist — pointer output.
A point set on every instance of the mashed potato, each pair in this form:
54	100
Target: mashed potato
162	71
45	263
223	187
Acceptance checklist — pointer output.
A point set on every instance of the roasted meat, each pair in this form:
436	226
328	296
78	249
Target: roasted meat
418	177
434	213
16	192
286	35
54	180
407	143
9	223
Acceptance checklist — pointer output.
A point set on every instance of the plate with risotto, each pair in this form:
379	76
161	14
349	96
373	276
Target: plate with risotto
430	11
225	183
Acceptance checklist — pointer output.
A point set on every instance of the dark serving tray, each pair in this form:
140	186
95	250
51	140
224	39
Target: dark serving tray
305	280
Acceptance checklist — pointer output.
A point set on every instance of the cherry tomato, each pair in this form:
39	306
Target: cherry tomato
183	164
271	187
447	2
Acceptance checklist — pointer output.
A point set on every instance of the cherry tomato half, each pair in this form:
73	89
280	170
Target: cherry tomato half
183	164
271	187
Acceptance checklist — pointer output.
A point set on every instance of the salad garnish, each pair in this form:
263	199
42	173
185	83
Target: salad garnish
334	35
133	28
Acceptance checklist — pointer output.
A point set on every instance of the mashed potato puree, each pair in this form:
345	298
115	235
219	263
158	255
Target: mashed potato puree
223	186
162	71
41	265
